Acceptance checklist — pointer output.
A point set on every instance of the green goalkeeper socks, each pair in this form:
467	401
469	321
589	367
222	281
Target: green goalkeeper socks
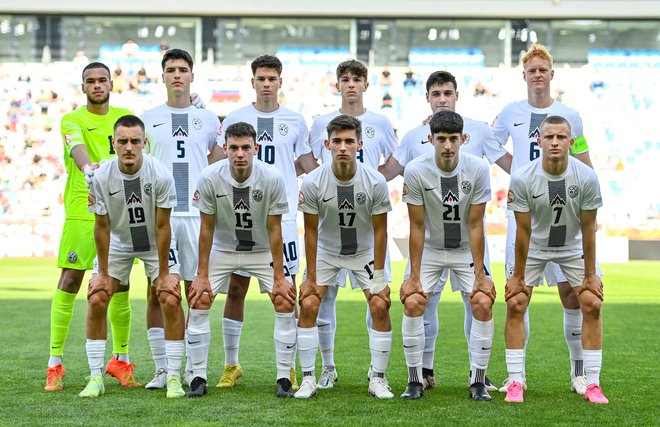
119	314
61	312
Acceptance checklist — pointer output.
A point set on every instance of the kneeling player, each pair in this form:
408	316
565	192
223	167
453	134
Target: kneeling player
241	203
456	186
132	197
555	201
345	205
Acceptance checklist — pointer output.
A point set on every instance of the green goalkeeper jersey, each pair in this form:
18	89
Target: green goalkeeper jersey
95	131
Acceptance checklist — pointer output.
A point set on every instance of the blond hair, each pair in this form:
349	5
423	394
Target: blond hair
537	49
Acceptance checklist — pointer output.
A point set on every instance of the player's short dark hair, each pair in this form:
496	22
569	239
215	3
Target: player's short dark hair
446	122
353	66
267	61
129	121
344	122
555	120
173	54
440	78
240	129
93	65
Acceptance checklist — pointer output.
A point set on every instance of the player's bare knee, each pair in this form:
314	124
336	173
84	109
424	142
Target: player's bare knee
310	304
482	306
282	305
203	303
590	304
70	281
415	305
168	301
569	298
378	306
98	301
517	304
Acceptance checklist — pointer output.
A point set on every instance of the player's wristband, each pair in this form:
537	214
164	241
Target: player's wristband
378	283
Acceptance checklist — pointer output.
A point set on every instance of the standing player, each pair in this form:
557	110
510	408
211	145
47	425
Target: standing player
345	205
132	197
184	138
379	142
458	186
282	136
442	94
555	201
241	203
87	137
521	121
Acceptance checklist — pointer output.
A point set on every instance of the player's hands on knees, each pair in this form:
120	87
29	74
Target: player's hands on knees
485	285
310	288
100	282
514	286
199	287
411	286
384	295
284	289
168	283
593	284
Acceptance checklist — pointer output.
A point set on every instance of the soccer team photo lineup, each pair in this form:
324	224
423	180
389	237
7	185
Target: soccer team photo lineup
207	205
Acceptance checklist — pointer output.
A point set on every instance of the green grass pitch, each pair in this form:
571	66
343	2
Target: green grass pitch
629	378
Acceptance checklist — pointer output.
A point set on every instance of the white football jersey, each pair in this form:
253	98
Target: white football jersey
241	209
182	138
130	202
480	142
521	121
446	197
282	137
345	209
379	140
554	202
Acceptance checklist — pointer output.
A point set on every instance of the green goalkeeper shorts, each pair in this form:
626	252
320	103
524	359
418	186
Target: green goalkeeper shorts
77	248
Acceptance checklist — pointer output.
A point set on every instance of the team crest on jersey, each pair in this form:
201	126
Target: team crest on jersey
196	196
535	134
510	197
360	198
68	139
405	189
148	189
283	128
241	205
450	197
257	195
264	137
466	186
197	123
72	257
133	198
557	201
346	205
573	191
370	132
180	131
91	199
301	198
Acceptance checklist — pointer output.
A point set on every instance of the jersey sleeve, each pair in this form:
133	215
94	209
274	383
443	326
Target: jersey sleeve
591	199
402	153
381	198
517	200
301	145
204	197
216	136
577	132
500	131
390	142
95	199
279	204
481	190
166	194
491	145
412	188
308	199
316	137
72	134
